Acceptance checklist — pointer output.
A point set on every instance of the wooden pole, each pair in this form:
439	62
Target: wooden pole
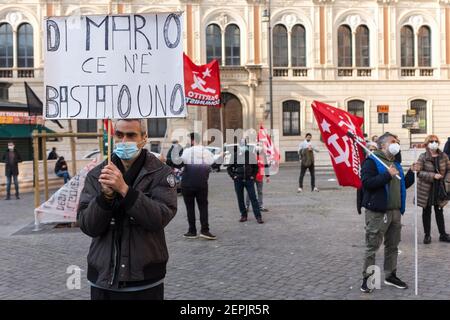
109	141
44	162
37	198
100	140
72	151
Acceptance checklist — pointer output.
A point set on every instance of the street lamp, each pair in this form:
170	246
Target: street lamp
266	17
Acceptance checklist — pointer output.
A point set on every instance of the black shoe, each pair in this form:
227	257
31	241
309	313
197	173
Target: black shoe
17	197
444	237
364	287
427	240
190	235
207	235
260	220
392	280
243	219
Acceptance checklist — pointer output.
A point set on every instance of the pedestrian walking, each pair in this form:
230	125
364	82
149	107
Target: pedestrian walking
306	154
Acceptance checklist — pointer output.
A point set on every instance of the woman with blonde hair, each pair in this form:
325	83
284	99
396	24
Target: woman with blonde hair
434	165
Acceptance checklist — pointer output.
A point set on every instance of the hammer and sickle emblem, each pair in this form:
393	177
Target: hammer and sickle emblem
343	154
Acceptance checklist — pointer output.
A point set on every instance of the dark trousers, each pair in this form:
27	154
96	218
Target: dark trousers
302	175
249	185
426	218
190	196
8	184
155	293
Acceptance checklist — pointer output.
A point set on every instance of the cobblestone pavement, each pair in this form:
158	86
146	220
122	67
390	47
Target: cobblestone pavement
311	247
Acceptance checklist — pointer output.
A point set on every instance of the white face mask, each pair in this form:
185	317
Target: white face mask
394	148
433	146
11	148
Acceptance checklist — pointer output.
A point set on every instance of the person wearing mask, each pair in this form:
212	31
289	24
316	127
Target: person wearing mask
384	198
197	161
434	165
124	207
52	155
11	158
306	153
61	169
242	169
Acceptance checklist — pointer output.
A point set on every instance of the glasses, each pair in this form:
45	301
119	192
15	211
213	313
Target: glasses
431	141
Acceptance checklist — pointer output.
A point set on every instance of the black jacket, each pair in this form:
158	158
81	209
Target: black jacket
52	155
60	165
11	168
244	166
373	192
139	255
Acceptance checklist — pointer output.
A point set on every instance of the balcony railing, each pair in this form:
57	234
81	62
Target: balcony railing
413	72
299	72
17	72
350	72
280	72
290	72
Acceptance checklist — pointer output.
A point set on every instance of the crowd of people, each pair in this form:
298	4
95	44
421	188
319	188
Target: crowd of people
126	203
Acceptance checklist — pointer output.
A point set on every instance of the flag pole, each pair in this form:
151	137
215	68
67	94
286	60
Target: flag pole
109	141
357	140
416	260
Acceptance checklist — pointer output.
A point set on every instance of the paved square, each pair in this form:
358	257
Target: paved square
311	247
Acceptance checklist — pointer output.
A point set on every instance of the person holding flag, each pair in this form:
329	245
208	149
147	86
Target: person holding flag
384	198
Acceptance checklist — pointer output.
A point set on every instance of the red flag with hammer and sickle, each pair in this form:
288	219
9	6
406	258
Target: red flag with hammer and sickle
339	128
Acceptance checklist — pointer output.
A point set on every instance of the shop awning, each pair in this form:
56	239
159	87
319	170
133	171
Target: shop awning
10	131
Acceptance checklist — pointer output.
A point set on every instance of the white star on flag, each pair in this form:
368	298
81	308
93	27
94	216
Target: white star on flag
325	126
207	73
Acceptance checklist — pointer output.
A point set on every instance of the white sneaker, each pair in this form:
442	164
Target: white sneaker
315	189
300	190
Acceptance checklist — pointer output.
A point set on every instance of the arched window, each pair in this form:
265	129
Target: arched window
280	46
356	107
298	46
25	57
291	118
424	46
213	43
362	46
6	46
344	46
407	46
232	45
420	106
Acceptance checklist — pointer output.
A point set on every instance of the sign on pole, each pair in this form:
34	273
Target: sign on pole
114	66
383	108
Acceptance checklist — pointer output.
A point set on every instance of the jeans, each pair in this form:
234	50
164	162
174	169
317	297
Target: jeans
249	185
8	185
155	293
302	175
63	174
259	189
201	195
426	219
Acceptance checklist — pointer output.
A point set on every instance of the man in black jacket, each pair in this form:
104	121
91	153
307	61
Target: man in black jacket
243	169
384	197
124	207
11	158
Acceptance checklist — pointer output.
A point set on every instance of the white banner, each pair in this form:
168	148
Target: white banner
114	66
63	204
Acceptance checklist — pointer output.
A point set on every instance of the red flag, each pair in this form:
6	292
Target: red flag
105	127
272	153
346	156
201	83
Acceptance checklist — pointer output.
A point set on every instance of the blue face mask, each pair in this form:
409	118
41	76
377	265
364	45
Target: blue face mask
126	150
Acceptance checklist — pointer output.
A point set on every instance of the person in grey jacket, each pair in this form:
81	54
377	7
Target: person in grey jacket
124	207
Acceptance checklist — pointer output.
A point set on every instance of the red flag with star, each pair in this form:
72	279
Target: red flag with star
345	153
201	83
